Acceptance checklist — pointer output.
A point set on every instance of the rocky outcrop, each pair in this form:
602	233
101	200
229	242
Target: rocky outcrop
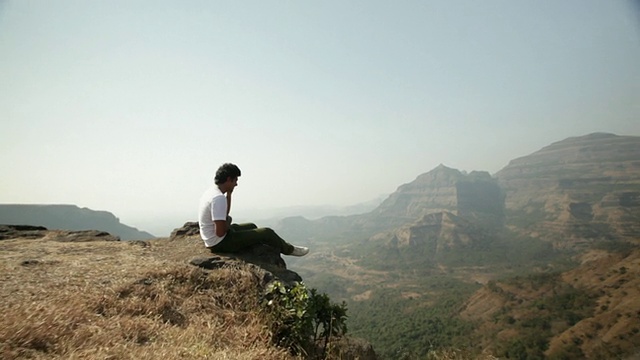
188	230
69	217
39	232
436	234
576	190
269	264
441	211
22	231
267	259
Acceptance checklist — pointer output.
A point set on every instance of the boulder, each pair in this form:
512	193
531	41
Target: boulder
22	231
266	258
40	232
189	229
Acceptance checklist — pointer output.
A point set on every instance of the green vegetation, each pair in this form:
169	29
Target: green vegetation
414	311
498	250
620	247
407	327
560	307
300	318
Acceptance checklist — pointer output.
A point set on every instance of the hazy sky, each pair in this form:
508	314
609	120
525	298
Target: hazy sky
131	106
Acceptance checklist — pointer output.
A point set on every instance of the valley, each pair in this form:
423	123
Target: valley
536	261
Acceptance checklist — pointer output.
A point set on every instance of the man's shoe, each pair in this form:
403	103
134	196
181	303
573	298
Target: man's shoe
300	251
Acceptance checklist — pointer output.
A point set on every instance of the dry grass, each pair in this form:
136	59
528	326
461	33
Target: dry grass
117	300
455	354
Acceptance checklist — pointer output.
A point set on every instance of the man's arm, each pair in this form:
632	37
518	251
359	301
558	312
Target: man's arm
229	201
219	214
221	227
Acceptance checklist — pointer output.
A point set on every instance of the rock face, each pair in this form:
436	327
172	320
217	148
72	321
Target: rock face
435	234
576	190
441	211
476	195
571	193
69	217
266	258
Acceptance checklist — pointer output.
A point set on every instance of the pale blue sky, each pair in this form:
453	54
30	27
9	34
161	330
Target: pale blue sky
130	106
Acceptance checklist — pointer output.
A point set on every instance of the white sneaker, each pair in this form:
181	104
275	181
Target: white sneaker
300	251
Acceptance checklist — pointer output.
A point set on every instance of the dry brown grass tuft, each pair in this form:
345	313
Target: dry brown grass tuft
118	301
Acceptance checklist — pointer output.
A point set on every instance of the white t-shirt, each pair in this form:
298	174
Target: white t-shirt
213	206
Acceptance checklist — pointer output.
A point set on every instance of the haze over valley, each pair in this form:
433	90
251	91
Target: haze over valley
466	174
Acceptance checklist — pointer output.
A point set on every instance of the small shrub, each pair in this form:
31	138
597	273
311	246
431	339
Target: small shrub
301	317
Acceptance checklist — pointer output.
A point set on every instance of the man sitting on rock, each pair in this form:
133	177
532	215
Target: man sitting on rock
219	234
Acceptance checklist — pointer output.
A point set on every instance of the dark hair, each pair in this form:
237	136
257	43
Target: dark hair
226	171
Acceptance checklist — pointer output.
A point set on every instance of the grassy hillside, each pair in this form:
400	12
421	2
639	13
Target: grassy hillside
127	300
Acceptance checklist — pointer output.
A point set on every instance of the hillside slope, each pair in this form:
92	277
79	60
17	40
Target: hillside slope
576	191
592	311
84	297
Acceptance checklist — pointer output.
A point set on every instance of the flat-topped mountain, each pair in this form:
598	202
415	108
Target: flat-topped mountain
582	188
68	217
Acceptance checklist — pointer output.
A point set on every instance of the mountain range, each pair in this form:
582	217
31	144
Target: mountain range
576	191
419	259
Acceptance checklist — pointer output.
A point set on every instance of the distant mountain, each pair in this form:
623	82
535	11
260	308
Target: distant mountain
68	217
475	195
422	222
576	190
570	193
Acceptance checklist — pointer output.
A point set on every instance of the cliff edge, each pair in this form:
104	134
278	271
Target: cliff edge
134	300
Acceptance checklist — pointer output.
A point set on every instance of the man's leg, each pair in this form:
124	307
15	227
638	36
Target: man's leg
243	227
235	241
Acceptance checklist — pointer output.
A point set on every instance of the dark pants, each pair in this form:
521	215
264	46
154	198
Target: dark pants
241	236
